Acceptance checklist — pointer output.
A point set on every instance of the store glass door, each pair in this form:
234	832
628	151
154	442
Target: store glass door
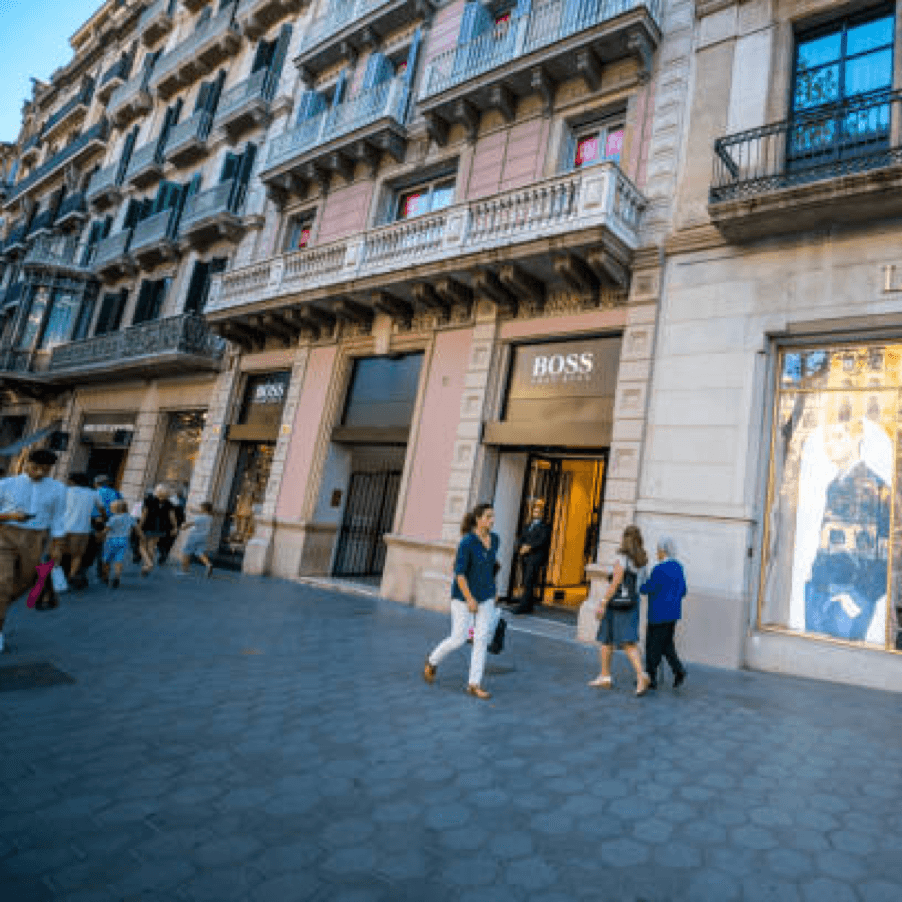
245	499
572	489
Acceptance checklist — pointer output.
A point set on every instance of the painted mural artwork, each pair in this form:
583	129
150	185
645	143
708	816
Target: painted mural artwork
834	509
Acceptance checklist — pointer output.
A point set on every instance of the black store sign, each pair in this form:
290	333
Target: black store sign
560	394
260	416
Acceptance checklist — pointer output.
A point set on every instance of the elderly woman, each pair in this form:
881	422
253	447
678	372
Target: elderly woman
665	589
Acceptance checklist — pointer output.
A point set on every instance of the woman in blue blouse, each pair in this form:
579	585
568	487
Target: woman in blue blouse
473	592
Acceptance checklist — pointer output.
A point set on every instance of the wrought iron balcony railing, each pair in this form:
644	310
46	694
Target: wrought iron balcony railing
833	141
387	100
255	16
130	100
225	200
30	147
185	335
78	104
155	230
187	140
249	98
42	222
72	210
43	255
335	18
104	184
16	239
599	197
111	251
545	24
198	54
115	77
90	140
146	163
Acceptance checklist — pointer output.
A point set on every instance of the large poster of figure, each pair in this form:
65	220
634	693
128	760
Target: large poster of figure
832	523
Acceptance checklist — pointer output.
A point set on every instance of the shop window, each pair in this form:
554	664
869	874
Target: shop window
594	143
833	545
427	197
383	391
300	232
836	65
264	399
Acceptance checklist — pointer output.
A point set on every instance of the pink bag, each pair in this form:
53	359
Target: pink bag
43	571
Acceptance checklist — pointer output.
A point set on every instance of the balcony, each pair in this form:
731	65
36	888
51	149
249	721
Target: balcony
31	150
156	21
71	114
579	230
246	106
198	55
73	212
105	188
146	165
42	224
74	153
154	239
43	256
256	16
170	346
555	41
194	6
130	101
112	259
114	77
187	141
358	130
214	215
12	295
839	164
349	26
16	240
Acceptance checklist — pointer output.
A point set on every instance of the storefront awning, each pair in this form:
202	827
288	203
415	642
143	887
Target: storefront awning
28	440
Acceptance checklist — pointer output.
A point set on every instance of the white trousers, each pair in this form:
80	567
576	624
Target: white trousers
460	625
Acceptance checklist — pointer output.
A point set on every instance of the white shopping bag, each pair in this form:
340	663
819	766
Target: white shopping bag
58	578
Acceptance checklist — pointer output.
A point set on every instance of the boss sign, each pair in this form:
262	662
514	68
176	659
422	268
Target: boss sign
564	367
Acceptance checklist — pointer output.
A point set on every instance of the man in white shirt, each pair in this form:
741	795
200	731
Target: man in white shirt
81	503
32	507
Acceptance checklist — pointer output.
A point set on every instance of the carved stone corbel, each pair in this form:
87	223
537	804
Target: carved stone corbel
501	98
522	285
641	48
338	162
608	268
575	272
393	306
544	84
468	115
453	292
437	129
486	283
426	299
589	68
368	154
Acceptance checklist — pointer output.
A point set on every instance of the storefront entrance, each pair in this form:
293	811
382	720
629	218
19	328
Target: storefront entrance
572	488
106	462
245	500
368	516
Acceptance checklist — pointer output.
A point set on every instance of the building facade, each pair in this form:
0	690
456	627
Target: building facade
347	269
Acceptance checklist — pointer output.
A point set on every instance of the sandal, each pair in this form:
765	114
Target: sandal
601	682
478	691
429	671
644	684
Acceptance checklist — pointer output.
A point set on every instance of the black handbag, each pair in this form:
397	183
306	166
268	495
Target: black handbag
496	646
627	596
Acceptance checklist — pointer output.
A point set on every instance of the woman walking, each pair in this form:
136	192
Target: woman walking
157	520
619	611
473	592
665	589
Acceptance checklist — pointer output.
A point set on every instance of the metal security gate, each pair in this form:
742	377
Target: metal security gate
369	513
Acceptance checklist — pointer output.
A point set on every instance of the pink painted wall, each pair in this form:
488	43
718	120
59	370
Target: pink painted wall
304	432
444	31
345	211
434	452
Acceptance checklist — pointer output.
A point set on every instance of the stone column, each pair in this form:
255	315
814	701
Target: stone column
258	555
136	476
212	440
630	414
468	452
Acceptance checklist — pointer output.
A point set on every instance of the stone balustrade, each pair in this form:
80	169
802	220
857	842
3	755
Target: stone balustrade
600	196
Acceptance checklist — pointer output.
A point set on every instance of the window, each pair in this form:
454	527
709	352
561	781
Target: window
425	198
237	168
833	547
64	309
839	64
99	230
111	310
150	300
35	318
595	143
199	287
300	230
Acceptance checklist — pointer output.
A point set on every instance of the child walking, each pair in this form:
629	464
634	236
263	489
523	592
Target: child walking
198	538
116	538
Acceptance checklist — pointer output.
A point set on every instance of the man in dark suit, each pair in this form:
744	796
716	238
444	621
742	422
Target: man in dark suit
534	542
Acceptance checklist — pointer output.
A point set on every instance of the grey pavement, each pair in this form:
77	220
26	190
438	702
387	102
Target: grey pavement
247	739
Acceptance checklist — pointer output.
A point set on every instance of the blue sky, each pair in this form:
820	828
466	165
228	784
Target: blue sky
34	40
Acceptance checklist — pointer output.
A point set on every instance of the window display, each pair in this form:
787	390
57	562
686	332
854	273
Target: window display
833	539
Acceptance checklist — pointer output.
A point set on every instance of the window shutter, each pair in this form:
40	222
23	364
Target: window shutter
127	149
263	56
522	8
278	60
107	225
131	214
378	69
568	150
229	167
475	21
203	96
204	17
145	302
215	92
340	88
245	168
195	298
412	55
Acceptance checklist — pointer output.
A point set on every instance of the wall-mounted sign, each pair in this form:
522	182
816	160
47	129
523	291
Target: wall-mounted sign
264	398
565	368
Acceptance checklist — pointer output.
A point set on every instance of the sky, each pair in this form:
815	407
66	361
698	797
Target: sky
34	40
